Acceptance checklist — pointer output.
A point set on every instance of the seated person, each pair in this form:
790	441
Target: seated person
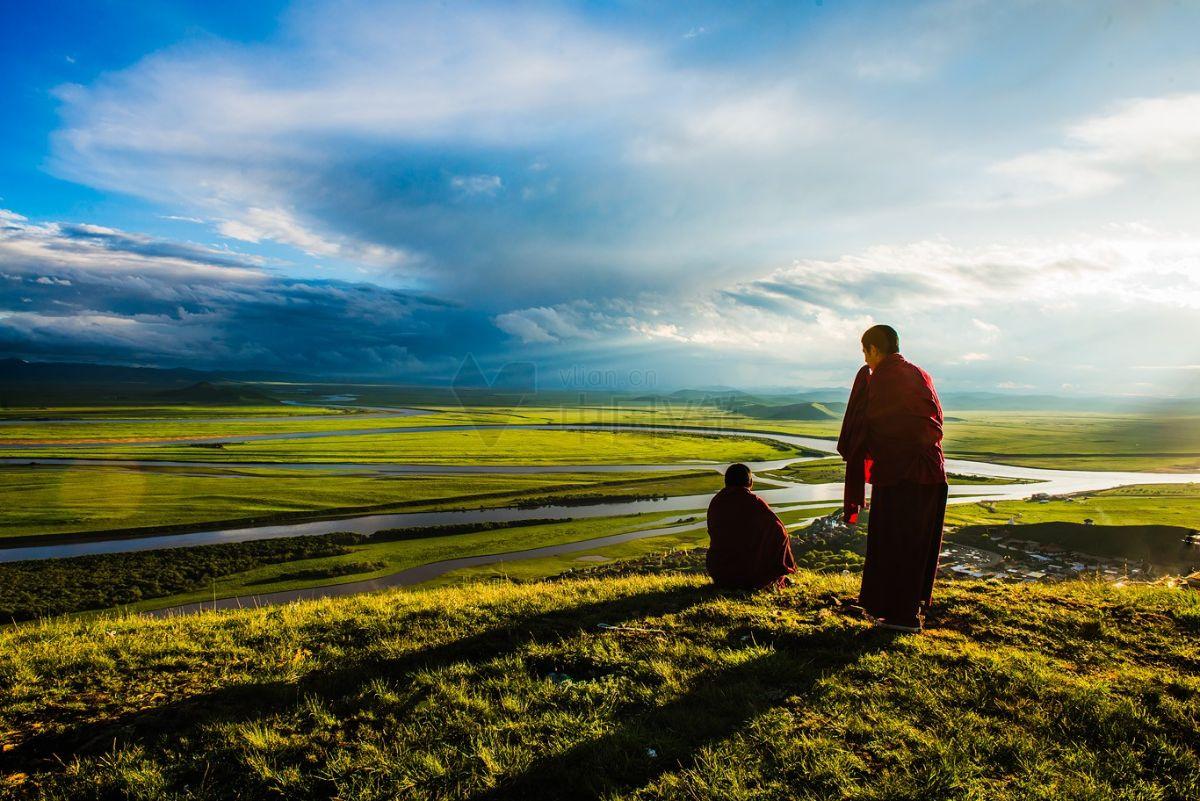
749	547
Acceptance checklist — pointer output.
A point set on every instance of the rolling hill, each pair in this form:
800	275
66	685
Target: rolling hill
643	684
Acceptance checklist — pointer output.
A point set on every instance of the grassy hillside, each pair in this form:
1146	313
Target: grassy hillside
642	685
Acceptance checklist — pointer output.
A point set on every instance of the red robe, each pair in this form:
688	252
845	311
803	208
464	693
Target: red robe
893	427
904	425
749	548
852	445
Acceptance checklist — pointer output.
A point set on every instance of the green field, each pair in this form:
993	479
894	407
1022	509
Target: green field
200	427
535	569
532	569
1138	524
52	499
1066	691
1162	504
61	501
403	554
168	423
1063	440
833	471
508	446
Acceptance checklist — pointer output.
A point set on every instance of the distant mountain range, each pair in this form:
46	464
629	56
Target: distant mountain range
765	408
46	383
830	402
19	370
25	383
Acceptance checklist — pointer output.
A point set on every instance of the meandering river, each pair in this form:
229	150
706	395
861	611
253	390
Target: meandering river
782	494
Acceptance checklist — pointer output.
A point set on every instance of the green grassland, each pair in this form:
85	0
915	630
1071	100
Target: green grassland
55	499
526	691
147	424
1061	440
1064	440
168	577
833	471
396	555
38	588
149	429
1139	524
164	412
1164	504
1078	441
545	567
507	446
664	545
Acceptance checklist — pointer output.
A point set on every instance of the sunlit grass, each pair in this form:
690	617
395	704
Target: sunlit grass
51	499
508	446
1073	690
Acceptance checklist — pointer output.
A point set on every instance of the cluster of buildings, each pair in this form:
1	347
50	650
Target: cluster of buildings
1009	559
1017	560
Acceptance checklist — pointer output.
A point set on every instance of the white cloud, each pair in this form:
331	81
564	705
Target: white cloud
1125	293
477	184
989	331
749	124
281	225
30	249
543	324
1103	151
284	141
148	334
898	69
98	293
452	74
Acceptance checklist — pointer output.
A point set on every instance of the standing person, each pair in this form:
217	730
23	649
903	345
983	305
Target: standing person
891	437
749	548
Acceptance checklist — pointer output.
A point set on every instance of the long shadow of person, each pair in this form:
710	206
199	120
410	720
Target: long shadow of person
668	736
165	725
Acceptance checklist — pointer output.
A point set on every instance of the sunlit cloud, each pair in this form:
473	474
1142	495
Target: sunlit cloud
79	291
1101	152
700	190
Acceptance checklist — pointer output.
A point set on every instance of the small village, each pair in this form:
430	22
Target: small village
1008	559
1018	560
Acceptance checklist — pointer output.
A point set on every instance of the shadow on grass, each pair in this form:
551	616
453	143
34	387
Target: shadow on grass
172	722
668	737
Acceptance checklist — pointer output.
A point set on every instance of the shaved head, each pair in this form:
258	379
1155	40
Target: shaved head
883	337
738	475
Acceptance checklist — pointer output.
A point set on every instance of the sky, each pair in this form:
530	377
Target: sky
624	195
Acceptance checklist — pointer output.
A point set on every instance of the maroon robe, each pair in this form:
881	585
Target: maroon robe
896	430
749	548
852	445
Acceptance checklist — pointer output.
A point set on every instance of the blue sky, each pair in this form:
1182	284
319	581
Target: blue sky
707	193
